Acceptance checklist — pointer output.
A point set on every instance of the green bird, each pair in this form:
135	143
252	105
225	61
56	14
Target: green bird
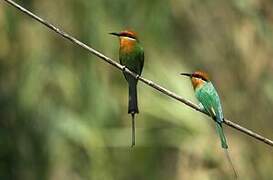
210	102
131	55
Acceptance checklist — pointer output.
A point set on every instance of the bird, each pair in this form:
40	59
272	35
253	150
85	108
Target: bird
210	102
131	55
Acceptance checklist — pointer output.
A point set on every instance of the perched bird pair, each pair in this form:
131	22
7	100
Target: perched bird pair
131	55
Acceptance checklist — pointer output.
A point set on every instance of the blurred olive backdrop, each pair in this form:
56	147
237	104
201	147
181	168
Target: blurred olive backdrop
64	111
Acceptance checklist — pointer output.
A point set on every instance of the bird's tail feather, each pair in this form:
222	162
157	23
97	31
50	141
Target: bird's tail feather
220	131
133	130
132	106
231	164
221	134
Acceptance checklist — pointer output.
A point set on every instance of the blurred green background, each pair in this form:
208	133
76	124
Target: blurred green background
64	111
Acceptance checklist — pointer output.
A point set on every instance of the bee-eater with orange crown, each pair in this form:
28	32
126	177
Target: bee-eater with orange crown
131	55
210	102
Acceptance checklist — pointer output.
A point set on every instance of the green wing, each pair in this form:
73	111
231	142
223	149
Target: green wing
141	59
210	100
208	97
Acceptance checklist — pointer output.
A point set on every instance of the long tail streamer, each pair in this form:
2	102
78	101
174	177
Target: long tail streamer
133	130
231	164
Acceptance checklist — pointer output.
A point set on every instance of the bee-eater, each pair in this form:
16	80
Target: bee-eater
210	102
131	55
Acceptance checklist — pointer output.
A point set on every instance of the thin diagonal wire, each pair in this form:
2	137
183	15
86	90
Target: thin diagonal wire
124	69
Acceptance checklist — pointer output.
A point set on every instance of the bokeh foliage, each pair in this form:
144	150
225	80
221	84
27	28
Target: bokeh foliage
64	112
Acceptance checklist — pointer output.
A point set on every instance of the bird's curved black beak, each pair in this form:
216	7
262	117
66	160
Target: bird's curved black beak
115	34
186	74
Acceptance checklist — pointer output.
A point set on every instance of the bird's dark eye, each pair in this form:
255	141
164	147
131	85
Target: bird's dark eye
199	77
130	36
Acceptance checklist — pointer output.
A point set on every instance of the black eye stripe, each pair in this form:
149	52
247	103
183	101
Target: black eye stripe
199	77
128	35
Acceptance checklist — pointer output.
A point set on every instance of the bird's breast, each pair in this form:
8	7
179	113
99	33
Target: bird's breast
127	45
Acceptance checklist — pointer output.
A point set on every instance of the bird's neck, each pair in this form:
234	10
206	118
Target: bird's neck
197	83
127	45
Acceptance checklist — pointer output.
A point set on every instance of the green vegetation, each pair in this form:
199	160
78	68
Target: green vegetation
64	112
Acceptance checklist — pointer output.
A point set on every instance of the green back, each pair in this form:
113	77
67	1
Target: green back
208	97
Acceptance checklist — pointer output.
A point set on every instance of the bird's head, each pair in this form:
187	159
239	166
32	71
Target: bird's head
198	78
127	39
126	34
